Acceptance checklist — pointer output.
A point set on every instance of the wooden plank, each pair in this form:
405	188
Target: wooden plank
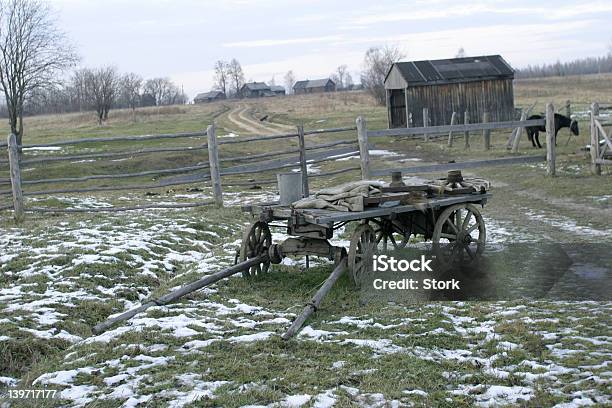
213	160
328	217
15	172
364	152
330	130
450	134
486	133
456	128
461	165
595	166
551	156
114	139
115	176
303	165
426	123
466	134
118	209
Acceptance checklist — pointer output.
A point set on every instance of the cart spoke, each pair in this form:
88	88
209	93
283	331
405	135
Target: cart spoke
449	222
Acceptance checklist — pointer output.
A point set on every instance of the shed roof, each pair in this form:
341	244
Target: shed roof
454	70
257	86
312	83
277	88
206	95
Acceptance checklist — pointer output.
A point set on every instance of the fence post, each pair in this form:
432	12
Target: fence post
486	134
13	155
450	134
303	166
466	134
550	140
568	109
213	161
519	132
595	167
426	122
362	137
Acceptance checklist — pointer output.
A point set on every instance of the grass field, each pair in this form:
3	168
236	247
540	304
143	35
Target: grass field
62	274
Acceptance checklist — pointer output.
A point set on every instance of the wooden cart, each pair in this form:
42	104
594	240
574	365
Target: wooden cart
442	218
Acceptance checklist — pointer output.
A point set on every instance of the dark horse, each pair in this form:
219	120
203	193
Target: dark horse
561	122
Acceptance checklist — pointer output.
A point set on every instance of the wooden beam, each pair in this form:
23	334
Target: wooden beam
486	133
426	123
550	140
594	150
303	165
466	134
15	172
450	134
364	152
213	160
431	130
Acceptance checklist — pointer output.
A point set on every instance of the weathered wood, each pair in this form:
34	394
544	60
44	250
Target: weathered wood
303	165
518	131
408	114
418	132
180	292
594	150
213	160
504	161
364	152
315	302
486	133
426	123
118	209
450	134
107	155
568	109
109	188
15	173
466	134
114	139
116	176
550	140
607	140
330	130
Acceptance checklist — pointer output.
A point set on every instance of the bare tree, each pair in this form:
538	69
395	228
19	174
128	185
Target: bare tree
289	81
376	64
33	51
272	81
348	81
158	88
461	53
101	86
221	75
131	85
341	72
236	76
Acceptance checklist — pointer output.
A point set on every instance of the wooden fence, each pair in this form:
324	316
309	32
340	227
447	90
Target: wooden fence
222	170
220	165
601	141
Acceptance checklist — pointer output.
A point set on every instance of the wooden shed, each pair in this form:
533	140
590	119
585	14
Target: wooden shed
473	84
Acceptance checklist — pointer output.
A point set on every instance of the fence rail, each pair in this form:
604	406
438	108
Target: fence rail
223	167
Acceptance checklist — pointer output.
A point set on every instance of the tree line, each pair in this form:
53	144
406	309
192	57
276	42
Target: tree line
583	66
102	89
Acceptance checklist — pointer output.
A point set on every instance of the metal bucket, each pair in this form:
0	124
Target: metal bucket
289	187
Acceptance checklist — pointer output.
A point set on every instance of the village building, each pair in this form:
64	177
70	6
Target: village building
474	85
277	89
314	86
255	90
209	97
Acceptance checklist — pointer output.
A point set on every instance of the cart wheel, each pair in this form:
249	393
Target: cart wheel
396	232
459	234
255	241
363	247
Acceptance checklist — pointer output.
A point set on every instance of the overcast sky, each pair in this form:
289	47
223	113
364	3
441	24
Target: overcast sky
182	39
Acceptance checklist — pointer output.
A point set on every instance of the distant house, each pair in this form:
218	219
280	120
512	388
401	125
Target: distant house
209	97
314	86
255	90
277	89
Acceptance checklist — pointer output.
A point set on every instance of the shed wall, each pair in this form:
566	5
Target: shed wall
494	96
